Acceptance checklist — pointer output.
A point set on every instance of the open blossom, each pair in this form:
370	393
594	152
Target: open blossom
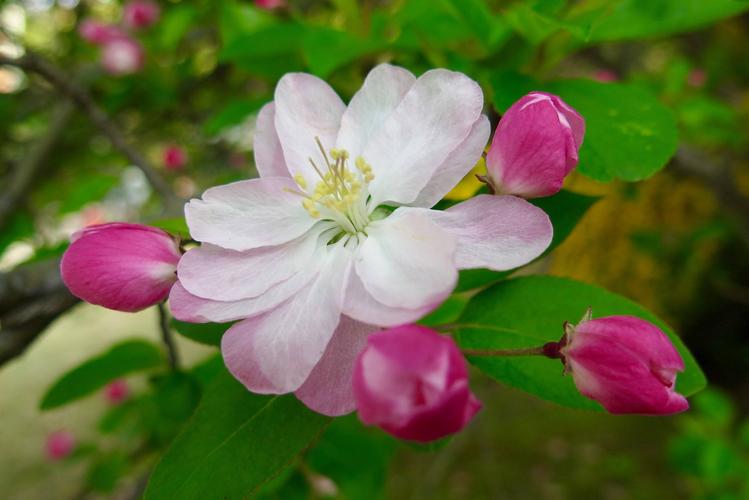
120	266
122	56
336	238
535	146
625	363
59	445
99	33
140	14
413	382
174	157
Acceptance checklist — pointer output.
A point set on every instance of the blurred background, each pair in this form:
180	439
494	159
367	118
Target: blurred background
93	133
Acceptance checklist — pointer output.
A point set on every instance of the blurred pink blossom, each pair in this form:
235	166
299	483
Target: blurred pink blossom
99	33
139	14
117	391
59	445
122	56
270	4
605	76
697	78
174	157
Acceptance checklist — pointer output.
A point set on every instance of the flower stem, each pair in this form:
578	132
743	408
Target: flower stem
168	338
549	350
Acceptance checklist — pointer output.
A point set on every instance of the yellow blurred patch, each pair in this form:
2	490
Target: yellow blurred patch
468	186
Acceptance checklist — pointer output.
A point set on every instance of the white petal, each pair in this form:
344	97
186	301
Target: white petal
360	305
382	91
306	107
269	158
248	214
276	351
188	307
434	118
215	273
328	389
407	261
496	232
456	166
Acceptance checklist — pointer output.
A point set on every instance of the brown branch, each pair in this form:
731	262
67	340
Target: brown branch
80	96
31	297
23	175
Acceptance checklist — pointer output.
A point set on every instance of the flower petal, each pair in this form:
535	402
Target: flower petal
328	389
269	158
432	120
382	91
248	214
360	305
274	353
496	232
456	166
216	273
306	108
188	307
407	261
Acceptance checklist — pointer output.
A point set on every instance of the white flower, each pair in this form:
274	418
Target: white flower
336	237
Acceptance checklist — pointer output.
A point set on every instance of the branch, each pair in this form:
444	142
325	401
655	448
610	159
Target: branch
31	297
80	96
24	174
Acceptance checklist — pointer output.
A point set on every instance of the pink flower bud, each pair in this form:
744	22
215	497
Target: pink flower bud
270	4
697	78
59	445
99	33
625	363
120	266
122	56
117	392
535	146
140	14
174	157
413	383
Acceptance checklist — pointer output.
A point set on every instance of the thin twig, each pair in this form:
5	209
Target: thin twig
168	337
57	78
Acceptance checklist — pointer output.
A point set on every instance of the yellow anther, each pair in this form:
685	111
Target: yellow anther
301	181
310	207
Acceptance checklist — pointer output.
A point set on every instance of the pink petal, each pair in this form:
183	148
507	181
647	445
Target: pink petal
407	261
269	158
122	56
306	108
382	91
248	214
275	352
360	305
125	267
495	232
328	389
432	120
456	166
215	273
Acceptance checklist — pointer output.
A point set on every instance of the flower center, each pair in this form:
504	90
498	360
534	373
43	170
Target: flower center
341	193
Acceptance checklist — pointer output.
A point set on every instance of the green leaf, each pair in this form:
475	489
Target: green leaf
354	457
106	473
203	333
327	50
530	311
175	24
124	358
448	312
565	209
629	134
233	113
235	442
177	395
647	18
